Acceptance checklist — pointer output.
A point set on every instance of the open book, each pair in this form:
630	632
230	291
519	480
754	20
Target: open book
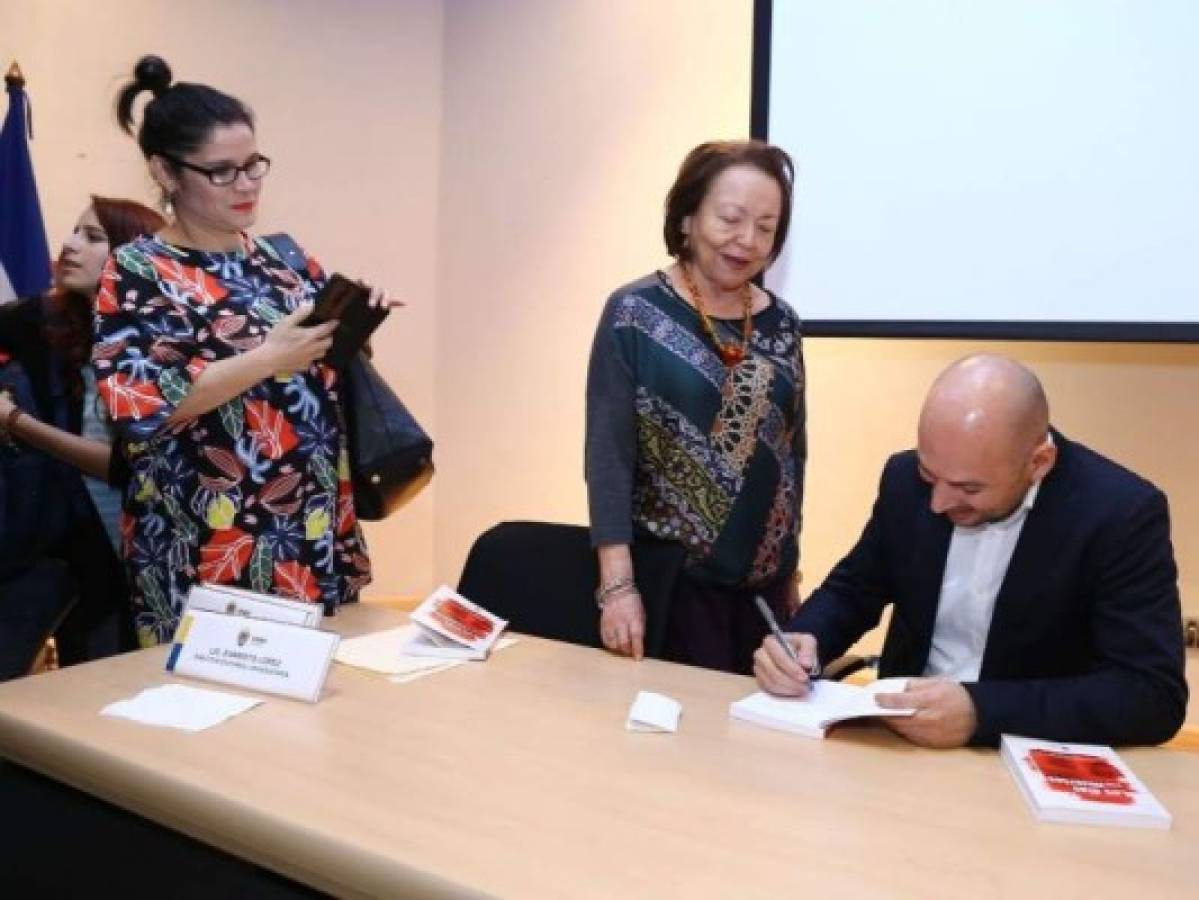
828	702
1087	784
451	627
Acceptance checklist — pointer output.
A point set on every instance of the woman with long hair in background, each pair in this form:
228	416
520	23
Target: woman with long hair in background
56	431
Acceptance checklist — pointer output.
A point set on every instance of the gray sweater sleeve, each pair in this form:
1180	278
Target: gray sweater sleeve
611	441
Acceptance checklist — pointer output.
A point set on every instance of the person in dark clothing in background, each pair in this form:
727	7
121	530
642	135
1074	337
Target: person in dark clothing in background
60	567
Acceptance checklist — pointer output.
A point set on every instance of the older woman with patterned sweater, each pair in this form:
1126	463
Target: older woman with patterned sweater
696	418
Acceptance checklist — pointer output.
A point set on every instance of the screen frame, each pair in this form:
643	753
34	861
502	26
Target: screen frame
990	329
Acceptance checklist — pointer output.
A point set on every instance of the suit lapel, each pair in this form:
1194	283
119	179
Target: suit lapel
931	548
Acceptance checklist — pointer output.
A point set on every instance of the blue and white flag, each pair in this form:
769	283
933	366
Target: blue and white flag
24	251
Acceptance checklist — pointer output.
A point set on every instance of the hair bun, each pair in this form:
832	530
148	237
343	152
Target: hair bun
152	74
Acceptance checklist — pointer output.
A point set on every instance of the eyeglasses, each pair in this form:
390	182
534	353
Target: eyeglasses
223	176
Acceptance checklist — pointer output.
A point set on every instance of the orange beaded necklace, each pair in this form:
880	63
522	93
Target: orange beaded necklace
730	354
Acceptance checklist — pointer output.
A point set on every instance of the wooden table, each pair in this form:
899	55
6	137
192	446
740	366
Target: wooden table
517	778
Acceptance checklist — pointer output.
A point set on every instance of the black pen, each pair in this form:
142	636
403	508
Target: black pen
764	608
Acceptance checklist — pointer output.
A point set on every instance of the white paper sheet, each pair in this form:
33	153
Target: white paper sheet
434	666
380	652
181	706
440	665
654	712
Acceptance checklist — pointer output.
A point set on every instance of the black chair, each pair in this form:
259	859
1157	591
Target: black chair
542	577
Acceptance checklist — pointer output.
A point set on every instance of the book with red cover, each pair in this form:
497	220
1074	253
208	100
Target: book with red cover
452	627
1086	784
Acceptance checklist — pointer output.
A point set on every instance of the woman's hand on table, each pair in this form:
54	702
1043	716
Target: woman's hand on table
622	624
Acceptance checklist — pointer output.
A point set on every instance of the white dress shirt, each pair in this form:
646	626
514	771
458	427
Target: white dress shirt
974	571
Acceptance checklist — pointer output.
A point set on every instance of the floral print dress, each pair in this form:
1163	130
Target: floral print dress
253	493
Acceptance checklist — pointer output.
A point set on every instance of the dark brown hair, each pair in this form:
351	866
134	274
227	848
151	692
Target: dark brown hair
181	115
700	169
68	325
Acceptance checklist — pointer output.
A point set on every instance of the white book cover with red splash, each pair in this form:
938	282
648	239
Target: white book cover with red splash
1086	784
453	627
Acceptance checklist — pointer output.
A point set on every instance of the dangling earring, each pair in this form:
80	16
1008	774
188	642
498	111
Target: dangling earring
166	202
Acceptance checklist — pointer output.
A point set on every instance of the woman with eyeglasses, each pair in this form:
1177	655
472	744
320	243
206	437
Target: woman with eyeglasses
234	426
696	423
52	409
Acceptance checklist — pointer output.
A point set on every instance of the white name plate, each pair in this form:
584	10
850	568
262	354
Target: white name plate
238	602
252	653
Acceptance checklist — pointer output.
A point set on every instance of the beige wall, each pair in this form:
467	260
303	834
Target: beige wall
563	126
504	174
348	99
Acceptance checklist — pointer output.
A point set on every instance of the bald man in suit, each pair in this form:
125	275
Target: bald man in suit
1032	582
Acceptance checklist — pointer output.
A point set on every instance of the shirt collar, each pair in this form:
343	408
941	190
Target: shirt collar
1030	497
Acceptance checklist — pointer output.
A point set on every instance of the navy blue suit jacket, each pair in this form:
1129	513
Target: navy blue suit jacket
1086	640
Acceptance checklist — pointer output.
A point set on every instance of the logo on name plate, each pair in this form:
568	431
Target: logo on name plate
242	637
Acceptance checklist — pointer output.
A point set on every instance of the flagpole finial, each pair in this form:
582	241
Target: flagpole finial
14	77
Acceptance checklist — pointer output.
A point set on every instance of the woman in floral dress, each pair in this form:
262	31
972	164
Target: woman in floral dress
232	425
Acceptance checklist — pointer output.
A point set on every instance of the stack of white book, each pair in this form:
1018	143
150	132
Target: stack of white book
446	630
1087	784
449	626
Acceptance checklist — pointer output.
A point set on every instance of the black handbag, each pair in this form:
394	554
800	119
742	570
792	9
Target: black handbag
391	456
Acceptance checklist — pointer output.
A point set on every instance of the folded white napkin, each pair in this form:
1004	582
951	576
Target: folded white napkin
654	712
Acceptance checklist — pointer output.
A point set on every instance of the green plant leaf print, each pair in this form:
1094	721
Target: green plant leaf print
133	259
233	417
261	565
172	386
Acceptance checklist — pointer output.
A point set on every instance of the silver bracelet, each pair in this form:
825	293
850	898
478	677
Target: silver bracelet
617	586
631	590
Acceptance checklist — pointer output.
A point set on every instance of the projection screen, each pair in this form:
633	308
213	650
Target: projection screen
987	168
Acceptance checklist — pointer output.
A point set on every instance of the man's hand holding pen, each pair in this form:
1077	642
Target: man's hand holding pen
787	671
